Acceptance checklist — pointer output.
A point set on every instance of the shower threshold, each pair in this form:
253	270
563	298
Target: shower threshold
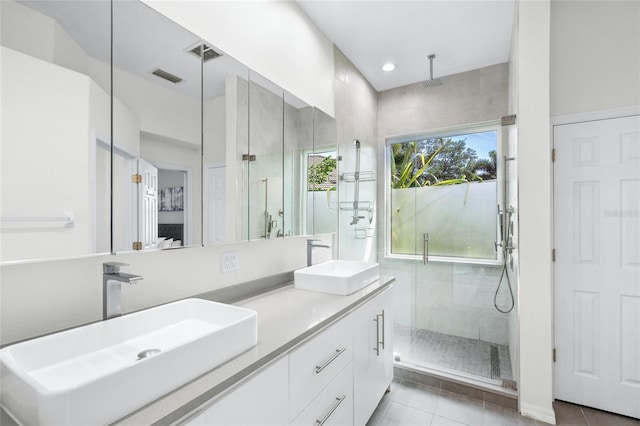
486	362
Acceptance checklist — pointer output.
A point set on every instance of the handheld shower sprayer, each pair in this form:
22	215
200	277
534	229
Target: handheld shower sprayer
507	249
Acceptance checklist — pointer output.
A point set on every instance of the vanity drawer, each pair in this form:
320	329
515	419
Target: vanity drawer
334	405
313	366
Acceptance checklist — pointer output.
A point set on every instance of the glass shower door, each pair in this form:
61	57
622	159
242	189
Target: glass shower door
441	251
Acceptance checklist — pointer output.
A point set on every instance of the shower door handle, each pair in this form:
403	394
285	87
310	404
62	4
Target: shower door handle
377	321
382	315
425	248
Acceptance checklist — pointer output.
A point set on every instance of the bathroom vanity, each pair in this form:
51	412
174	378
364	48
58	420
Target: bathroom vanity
320	358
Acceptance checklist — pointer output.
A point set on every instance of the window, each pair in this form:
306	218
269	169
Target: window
445	185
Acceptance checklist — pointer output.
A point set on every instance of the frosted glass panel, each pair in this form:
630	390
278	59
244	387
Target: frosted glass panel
460	219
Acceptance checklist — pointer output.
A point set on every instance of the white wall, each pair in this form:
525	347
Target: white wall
44	297
534	175
595	55
274	38
45	132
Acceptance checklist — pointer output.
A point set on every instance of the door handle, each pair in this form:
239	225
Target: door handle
425	248
382	315
377	348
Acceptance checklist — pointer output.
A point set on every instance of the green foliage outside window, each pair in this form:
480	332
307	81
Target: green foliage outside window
319	177
438	161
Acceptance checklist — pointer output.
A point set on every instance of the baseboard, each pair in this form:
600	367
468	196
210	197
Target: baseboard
538	413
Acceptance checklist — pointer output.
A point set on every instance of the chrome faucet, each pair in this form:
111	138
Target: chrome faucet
310	247
112	280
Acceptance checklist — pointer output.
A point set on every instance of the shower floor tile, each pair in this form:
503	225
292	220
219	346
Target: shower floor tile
461	354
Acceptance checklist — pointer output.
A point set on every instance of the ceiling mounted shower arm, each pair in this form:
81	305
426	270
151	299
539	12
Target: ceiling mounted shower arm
431	58
432	82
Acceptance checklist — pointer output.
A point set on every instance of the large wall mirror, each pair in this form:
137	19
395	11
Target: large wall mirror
55	129
322	175
203	150
298	145
265	207
157	131
225	141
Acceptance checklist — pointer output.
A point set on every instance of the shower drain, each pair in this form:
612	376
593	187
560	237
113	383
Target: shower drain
495	363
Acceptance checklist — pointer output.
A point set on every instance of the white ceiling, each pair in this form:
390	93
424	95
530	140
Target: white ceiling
464	35
143	41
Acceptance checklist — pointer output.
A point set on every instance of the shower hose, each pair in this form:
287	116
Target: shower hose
502	275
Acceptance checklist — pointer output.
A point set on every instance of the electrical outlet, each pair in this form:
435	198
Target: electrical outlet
229	261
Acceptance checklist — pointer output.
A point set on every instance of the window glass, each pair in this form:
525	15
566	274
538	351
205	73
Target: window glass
445	186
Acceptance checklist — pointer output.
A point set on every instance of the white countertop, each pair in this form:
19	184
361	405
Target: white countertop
286	318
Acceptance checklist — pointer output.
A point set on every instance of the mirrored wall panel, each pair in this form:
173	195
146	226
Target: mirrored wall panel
225	140
322	167
55	129
265	160
157	131
298	145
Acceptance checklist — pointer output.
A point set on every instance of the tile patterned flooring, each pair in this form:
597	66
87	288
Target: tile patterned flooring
411	403
461	354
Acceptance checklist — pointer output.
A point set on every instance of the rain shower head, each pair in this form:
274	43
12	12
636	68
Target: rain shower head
432	82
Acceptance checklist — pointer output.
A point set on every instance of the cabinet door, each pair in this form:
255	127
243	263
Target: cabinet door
263	401
373	354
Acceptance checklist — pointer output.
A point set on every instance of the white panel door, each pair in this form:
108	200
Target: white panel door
214	205
148	205
597	268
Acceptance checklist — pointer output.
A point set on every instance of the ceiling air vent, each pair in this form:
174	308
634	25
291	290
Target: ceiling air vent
169	77
209	53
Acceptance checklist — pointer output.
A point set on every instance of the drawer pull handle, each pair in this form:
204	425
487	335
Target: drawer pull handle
319	368
333	408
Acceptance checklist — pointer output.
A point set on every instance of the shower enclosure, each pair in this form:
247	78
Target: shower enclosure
448	239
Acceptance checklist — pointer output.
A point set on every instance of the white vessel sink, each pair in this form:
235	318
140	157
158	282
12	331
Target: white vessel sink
341	277
98	373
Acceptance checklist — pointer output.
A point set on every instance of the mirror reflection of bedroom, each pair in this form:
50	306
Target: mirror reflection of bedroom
171	208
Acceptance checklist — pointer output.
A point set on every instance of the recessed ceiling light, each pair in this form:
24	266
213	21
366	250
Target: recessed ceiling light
388	67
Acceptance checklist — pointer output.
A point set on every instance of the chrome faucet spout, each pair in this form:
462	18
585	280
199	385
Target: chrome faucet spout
310	247
112	280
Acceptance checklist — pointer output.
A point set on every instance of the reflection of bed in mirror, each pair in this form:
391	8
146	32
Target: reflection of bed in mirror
171	231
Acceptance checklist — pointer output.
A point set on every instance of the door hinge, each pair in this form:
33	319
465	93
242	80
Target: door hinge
554	355
553	255
509	384
509	120
137	245
553	155
247	157
136	178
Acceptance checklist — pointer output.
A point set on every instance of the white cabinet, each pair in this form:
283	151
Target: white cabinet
336	378
263	400
372	354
